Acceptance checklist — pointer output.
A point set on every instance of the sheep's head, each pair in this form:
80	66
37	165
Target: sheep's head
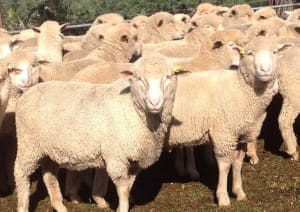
153	83
108	18
8	45
260	58
20	68
164	23
94	36
226	44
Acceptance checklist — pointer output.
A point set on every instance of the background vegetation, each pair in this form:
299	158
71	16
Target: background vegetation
19	14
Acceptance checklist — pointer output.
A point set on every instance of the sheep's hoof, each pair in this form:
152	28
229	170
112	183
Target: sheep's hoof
223	200
254	160
241	196
295	156
74	198
102	203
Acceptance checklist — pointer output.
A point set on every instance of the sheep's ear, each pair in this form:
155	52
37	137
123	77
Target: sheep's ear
184	19
194	24
15	44
178	70
36	29
221	12
99	21
160	23
282	48
63	26
217	44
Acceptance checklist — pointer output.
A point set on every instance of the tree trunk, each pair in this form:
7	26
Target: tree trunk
1	19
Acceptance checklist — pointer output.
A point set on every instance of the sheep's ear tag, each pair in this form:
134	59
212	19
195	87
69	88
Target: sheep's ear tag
279	46
177	69
10	67
242	51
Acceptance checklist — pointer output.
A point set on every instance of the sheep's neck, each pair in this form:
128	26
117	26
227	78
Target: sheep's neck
260	93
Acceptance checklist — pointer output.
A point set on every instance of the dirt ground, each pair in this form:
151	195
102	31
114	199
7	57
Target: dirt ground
272	185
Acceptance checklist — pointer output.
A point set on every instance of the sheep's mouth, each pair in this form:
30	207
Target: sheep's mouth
265	78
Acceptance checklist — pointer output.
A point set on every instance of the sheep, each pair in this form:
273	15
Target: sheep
91	40
262	14
50	37
293	16
26	34
119	44
8	44
219	112
85	141
159	27
289	79
288	83
109	18
181	21
202	26
238	14
220	51
204	8
139	21
20	64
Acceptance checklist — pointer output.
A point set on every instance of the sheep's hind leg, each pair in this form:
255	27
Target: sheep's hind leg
237	164
179	161
191	164
73	181
50	171
22	178
100	185
286	119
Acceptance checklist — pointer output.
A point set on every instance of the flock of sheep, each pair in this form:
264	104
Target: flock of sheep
136	88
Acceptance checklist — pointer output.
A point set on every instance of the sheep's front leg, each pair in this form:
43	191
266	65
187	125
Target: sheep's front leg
124	186
50	171
191	164
100	185
237	164
224	165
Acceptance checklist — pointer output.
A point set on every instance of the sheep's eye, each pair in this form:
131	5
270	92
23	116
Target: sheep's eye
15	71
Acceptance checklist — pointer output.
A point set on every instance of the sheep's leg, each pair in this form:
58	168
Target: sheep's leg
191	164
224	165
22	171
179	161
100	185
124	186
73	181
50	171
286	119
237	164
251	146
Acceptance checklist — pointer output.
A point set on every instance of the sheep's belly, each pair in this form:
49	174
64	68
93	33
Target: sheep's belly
76	160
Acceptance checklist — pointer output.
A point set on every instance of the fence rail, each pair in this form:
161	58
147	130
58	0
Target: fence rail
86	25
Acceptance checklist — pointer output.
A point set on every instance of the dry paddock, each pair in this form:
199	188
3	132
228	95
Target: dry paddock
272	185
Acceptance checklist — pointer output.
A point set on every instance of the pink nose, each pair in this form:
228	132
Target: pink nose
25	82
265	68
154	100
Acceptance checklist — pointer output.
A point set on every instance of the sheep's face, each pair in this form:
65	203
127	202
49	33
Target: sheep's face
22	73
260	58
154	83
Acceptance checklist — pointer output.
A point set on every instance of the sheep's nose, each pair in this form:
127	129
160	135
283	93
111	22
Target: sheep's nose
154	100
265	67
